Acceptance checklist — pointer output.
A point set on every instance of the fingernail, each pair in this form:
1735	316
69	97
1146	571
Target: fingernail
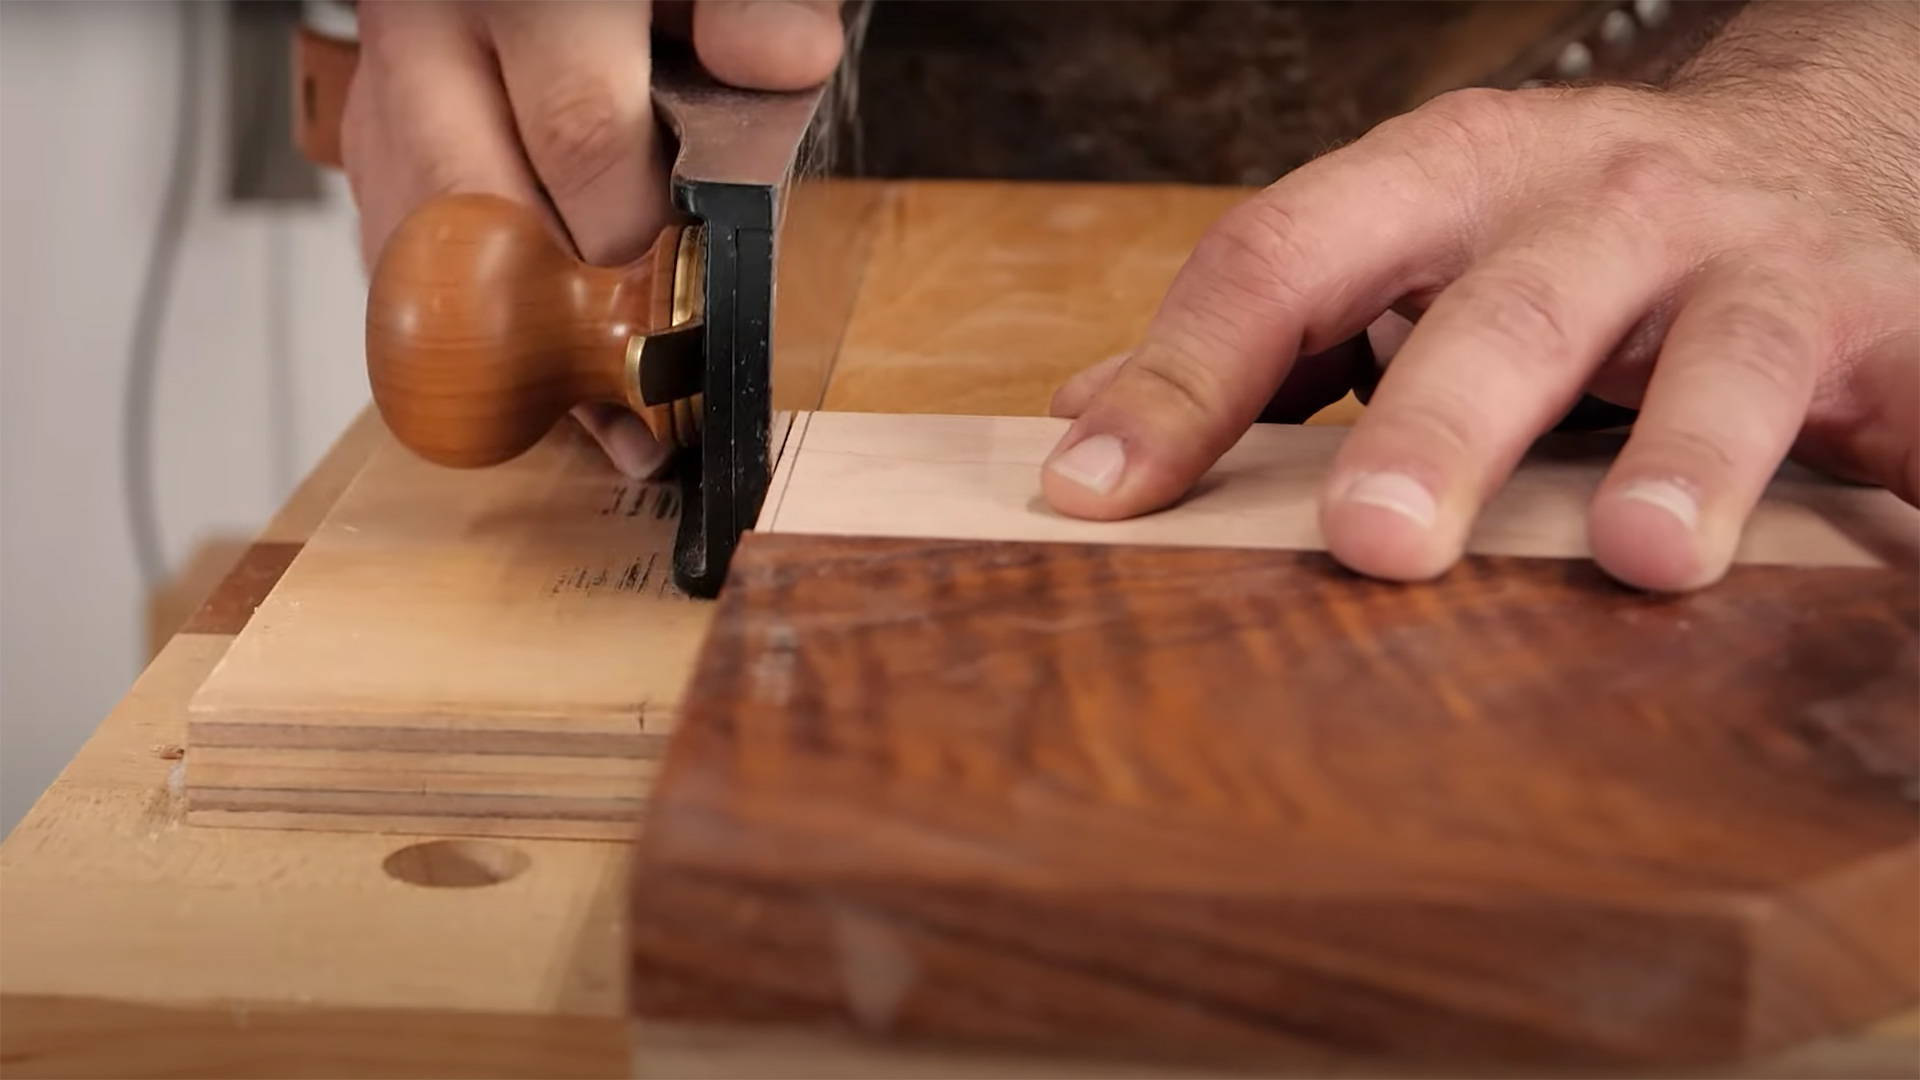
632	448
1393	491
1095	463
780	17
1668	496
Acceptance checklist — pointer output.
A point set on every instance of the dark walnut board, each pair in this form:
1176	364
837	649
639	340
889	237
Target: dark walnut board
1242	806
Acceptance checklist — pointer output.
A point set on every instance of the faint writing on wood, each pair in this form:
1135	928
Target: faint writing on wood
645	573
661	502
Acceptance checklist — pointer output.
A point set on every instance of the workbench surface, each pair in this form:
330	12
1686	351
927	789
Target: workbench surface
134	944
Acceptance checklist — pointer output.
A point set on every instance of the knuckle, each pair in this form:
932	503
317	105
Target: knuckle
1462	143
1178	376
579	128
1762	343
1421	164
1644	174
1516	313
1243	273
1440	426
1617	222
1470	122
1699	456
441	172
1255	247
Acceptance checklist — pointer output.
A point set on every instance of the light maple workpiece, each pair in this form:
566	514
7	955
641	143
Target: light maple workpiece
972	477
132	943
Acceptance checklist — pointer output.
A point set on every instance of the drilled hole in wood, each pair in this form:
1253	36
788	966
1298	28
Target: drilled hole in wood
456	864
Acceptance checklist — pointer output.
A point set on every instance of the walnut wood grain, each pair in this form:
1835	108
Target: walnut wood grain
1235	803
482	332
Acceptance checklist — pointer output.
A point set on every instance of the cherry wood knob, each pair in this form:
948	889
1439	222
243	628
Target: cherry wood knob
482	331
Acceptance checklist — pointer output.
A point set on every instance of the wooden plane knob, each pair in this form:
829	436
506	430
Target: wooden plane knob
482	331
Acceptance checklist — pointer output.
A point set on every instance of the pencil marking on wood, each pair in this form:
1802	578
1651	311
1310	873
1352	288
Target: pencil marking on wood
521	616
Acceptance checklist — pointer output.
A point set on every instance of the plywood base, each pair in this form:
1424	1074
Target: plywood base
1245	805
134	945
496	652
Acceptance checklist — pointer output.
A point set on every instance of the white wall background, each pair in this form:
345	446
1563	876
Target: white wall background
86	112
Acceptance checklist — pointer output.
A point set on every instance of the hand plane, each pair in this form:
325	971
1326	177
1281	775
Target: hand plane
482	330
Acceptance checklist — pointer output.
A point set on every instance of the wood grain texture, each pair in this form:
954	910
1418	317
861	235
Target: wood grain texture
314	498
232	602
499	654
491	653
133	944
482	332
1236	802
983	298
825	243
205	569
977	477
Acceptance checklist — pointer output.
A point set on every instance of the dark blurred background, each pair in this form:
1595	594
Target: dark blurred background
1207	91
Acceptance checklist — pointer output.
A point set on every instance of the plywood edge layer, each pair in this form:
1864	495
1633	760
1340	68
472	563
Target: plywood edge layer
576	718
408	763
349	737
504	780
63	1035
397	805
426	825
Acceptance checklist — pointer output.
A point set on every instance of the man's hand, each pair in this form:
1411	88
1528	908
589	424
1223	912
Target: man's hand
548	104
1737	255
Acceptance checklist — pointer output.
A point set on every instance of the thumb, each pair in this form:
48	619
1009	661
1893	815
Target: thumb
1213	355
1302	266
768	44
1165	417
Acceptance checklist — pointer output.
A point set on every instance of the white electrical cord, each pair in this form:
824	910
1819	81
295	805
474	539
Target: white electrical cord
150	311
